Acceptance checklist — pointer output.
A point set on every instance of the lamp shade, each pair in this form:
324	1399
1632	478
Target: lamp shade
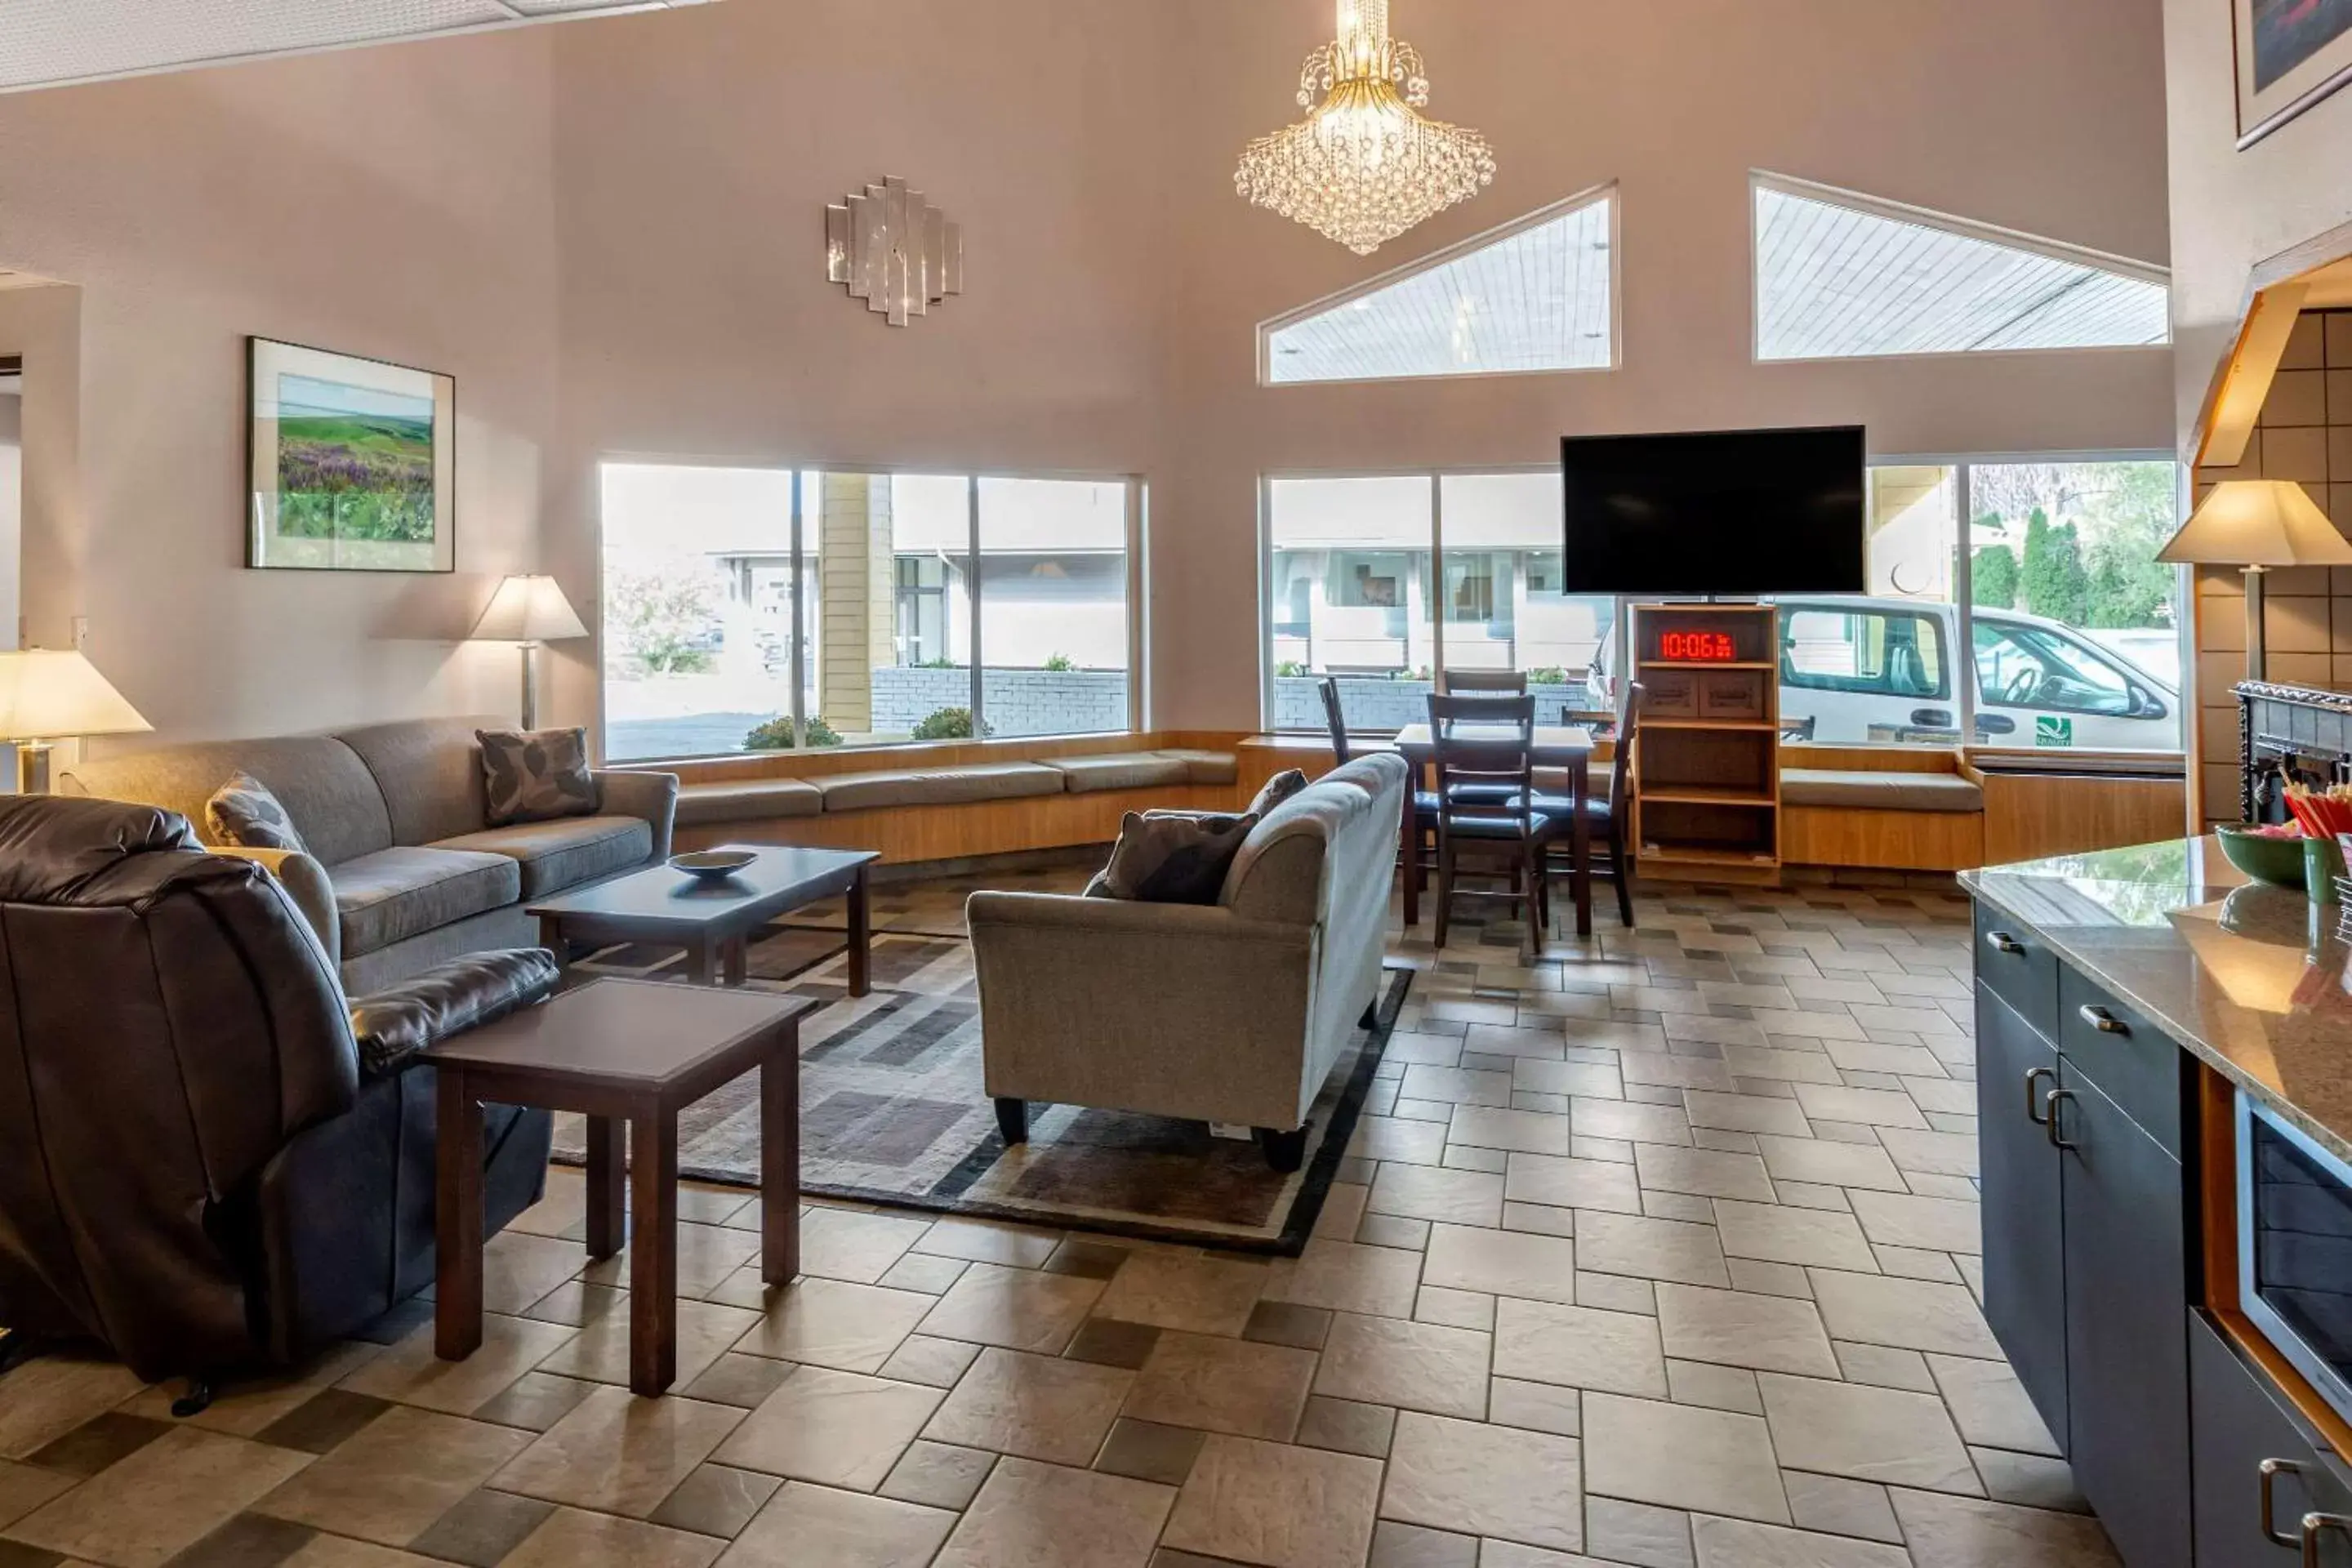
50	694
528	609
2258	522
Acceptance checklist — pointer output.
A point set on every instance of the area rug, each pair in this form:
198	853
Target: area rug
893	1111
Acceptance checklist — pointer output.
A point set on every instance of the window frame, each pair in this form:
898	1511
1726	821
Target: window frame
800	470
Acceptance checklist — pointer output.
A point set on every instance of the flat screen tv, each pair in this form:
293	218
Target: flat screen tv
1727	513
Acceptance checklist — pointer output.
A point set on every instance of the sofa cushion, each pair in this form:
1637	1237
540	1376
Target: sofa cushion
1853	790
1173	856
565	852
244	815
430	773
747	800
1205	767
326	788
938	786
1276	790
535	776
397	893
1122	770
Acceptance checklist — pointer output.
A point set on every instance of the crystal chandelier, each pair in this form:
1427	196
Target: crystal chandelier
1363	167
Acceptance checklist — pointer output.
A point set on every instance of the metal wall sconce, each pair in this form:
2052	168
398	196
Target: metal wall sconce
895	250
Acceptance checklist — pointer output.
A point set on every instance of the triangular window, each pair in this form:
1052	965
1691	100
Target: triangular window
1537	295
1841	275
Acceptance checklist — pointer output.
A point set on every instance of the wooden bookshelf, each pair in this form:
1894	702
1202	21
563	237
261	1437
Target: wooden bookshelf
1707	775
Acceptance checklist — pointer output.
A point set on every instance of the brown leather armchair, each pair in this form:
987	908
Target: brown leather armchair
208	1160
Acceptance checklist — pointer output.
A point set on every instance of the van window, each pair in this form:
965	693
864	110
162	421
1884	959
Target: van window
2021	665
1890	653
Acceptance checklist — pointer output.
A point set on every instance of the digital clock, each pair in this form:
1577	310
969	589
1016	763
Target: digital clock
1696	647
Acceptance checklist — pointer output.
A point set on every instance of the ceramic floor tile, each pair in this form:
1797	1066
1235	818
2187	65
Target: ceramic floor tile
1633	1123
1346	1427
518	1268
707	1254
842	1244
1415	1367
600	1353
1176	1290
1650	1248
1392	1138
48	1396
168	1495
837	1428
1506	1483
1015	1308
1536	1406
1830	1164
570	1538
1148	1451
1936	1224
1542	1342
1679	1455
1737	1328
716	1501
249	1406
1945	1531
1778	1234
619	1454
1277	1505
1500	1263
1877	1106
410	1374
1036	1407
1909	1314
1989	1405
1881	1435
1338	1276
989	1241
1456	1309
24	1488
1747	1114
1836	1506
1526	1132
813	1524
2030	1480
1702	1173
1636	1532
1219	1385
938	1474
1455	1085
1738	1543
1596	1080
394	1477
1433	1193
326	1552
830	1323
1046	1516
1573	1184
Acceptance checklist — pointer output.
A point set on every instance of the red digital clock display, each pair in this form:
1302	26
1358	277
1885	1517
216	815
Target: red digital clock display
1696	647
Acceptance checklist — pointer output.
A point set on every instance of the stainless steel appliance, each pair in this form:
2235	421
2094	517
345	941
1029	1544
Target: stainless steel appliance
2294	1248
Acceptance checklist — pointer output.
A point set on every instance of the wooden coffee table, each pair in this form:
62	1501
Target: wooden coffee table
712	921
625	1053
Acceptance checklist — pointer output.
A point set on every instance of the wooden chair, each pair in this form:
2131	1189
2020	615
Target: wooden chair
1486	682
1487	797
1609	818
1418	865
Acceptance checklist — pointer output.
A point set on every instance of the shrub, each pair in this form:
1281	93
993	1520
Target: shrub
1289	669
938	664
776	735
1550	675
1060	663
948	724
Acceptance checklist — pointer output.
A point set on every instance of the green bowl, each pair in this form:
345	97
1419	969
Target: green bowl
2278	861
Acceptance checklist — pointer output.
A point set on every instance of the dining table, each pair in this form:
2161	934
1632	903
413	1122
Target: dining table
1568	747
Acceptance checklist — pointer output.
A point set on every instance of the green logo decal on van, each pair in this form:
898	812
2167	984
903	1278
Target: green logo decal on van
2050	731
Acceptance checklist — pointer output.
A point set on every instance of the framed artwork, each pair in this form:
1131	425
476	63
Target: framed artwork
2291	53
352	463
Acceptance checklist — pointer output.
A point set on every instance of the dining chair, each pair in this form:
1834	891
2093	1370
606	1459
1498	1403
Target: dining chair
1418	865
1484	748
1490	682
1609	819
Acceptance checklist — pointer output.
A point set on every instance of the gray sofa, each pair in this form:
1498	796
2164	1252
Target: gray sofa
403	872
1233	1012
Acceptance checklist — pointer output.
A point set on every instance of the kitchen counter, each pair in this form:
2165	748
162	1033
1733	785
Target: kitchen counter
2249	978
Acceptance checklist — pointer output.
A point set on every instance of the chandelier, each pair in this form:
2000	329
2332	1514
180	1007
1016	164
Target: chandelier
1363	167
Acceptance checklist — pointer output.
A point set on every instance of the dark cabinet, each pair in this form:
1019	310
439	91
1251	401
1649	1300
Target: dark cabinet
2127	1274
2024	1251
2240	1427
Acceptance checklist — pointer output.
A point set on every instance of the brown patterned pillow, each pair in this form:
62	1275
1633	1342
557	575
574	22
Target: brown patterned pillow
1276	790
244	815
536	776
1173	856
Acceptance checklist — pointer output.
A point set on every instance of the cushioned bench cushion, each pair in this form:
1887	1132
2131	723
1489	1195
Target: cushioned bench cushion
1123	770
1878	792
395	894
564	852
938	786
1205	767
747	800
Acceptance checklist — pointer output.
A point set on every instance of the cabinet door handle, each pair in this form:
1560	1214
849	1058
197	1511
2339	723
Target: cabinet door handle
2316	1525
2106	1023
2053	1103
2001	941
2271	1470
2033	1100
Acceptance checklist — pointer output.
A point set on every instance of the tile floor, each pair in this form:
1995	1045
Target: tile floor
1659	1252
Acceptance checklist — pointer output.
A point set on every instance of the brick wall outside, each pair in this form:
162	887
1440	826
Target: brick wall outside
1016	701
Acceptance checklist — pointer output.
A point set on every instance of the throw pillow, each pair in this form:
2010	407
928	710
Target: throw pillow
1173	856
537	776
1276	790
244	815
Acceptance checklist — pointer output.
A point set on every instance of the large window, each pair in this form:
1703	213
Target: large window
765	609
1388	581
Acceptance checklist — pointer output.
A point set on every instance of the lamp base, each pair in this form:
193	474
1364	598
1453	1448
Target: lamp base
32	767
530	687
2256	656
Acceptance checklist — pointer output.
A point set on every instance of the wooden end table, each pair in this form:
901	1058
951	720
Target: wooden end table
626	1054
714	920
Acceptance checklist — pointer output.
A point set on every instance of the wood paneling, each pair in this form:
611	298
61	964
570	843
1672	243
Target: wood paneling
1871	758
1888	840
2029	815
913	832
822	763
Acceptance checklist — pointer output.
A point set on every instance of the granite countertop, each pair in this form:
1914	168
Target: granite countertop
2249	978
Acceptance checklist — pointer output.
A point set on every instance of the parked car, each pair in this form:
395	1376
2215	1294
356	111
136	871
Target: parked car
1857	669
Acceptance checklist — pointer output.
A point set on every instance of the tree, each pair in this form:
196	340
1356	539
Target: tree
654	616
2055	581
1992	577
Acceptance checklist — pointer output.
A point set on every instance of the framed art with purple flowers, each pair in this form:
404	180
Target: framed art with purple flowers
353	463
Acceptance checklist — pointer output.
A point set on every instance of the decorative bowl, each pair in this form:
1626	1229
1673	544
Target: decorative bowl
718	865
2278	861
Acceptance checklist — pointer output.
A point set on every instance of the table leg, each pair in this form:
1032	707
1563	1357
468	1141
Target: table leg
608	1194
550	937
653	1253
1409	847
861	937
701	961
457	1228
780	1160
735	960
1579	843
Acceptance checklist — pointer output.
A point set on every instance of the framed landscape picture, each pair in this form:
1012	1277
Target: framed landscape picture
353	463
2291	53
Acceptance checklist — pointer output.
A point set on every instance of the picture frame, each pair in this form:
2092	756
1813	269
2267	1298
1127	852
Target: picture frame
352	463
2290	55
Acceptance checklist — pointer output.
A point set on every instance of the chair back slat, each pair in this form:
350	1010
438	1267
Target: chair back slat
1336	721
1487	742
1620	766
1499	682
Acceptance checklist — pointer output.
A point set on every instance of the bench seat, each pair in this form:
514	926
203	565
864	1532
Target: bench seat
747	800
937	786
1846	790
1123	770
1206	767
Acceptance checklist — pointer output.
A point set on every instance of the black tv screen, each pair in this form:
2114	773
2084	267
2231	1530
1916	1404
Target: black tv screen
1730	512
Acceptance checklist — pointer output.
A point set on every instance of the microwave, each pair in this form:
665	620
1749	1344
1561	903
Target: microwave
2294	1248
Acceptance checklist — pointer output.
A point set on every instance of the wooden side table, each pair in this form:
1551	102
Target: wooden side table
626	1054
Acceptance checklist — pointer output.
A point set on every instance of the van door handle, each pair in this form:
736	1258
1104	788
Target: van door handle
2053	1104
2099	1018
1932	718
1996	724
2271	1470
2031	1079
2314	1525
2001	941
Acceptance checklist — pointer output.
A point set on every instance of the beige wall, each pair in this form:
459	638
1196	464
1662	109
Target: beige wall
610	232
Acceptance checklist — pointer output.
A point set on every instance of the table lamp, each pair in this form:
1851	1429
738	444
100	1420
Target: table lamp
2256	525
529	610
52	694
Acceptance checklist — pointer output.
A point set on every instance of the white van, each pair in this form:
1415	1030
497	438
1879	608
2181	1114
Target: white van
1857	671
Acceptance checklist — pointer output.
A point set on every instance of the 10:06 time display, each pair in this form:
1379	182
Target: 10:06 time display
1696	647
